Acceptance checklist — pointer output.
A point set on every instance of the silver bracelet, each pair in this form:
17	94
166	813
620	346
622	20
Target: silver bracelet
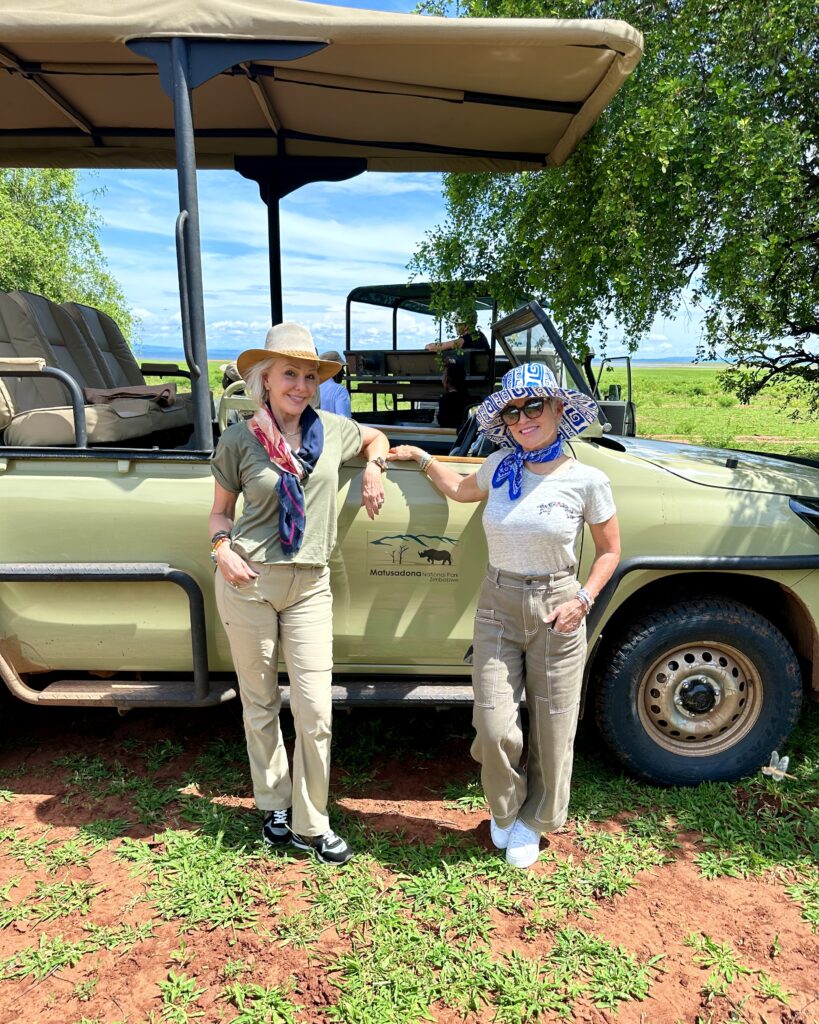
585	598
424	461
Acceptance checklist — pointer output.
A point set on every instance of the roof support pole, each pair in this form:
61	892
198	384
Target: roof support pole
278	176
189	259
274	242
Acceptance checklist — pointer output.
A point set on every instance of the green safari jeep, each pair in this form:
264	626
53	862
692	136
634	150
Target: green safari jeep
704	643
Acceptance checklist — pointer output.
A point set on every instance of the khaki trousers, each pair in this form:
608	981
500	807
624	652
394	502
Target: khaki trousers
289	605
517	652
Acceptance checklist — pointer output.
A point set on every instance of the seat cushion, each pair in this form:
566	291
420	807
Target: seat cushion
67	342
20	338
117	421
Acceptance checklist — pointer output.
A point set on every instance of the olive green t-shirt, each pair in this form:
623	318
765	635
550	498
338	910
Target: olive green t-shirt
241	465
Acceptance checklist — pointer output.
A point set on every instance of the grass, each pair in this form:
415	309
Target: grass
259	1005
407	929
686	403
199	880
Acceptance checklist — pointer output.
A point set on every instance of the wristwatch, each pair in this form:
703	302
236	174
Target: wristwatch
381	462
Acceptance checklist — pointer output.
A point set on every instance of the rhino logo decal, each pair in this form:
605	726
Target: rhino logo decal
432	556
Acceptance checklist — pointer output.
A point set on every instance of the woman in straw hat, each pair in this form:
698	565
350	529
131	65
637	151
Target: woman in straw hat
530	631
273	583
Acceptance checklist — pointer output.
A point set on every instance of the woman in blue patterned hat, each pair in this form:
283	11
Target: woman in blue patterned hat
530	630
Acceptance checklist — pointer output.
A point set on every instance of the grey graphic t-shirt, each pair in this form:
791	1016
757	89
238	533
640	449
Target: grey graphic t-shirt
538	533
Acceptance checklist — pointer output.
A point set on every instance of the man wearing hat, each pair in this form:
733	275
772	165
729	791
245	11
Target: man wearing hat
272	580
334	396
530	630
467	336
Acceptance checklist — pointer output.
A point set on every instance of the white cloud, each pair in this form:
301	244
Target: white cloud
385	184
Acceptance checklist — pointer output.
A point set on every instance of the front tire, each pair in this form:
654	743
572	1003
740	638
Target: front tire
701	691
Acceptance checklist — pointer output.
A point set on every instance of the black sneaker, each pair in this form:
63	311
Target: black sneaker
329	848
276	828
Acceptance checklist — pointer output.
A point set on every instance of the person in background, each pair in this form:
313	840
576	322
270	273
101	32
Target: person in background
272	579
334	396
468	336
455	400
530	628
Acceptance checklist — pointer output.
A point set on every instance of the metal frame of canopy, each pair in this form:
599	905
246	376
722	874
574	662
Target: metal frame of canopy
93	104
183	65
415	297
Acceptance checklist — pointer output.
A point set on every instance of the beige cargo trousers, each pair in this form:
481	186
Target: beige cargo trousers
288	607
515	653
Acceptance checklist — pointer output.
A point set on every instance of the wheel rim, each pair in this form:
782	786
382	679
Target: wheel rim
699	698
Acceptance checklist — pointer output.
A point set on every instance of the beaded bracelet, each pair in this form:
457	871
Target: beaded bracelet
585	598
218	534
220	540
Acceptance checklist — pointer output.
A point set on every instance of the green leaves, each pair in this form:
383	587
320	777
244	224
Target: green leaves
701	175
49	241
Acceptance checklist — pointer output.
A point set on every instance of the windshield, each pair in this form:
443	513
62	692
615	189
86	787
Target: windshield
531	344
529	336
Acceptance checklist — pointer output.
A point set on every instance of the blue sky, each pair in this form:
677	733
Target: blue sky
335	236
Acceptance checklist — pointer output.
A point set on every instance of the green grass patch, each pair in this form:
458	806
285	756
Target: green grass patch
199	880
51	954
50	901
687	403
465	796
256	1004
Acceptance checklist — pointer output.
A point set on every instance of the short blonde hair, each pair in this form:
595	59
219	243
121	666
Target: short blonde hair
254	379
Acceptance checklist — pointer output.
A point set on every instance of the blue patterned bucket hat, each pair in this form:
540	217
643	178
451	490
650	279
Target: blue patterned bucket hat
534	380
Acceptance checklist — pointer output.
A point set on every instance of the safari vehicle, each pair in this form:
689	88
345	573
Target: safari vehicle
408	373
412	376
706	637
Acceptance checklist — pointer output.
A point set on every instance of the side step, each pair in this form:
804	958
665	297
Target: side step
125	694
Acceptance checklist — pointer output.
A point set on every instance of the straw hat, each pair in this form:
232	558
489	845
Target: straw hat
288	340
534	380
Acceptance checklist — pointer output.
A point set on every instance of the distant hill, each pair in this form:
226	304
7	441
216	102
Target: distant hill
159	352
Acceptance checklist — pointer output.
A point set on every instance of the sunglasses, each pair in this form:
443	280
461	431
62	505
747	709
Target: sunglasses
531	409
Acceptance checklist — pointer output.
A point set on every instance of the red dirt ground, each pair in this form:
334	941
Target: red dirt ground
668	903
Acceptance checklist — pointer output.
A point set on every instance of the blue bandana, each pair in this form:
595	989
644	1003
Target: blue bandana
292	503
511	466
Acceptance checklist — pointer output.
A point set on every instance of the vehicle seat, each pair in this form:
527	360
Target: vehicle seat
116	363
33	410
467	432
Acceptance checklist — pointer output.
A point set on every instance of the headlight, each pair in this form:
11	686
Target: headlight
808	511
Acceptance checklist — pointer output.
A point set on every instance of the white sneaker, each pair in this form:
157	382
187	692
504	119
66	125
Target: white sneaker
523	848
500	836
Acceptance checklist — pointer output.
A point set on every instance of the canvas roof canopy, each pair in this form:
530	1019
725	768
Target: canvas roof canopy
416	296
78	87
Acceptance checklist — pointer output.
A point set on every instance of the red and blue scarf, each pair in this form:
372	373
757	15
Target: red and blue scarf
294	467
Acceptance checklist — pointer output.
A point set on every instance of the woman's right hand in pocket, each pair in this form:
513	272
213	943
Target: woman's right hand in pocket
233	567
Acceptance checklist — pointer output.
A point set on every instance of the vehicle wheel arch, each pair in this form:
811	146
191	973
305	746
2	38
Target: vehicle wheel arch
774	601
697	683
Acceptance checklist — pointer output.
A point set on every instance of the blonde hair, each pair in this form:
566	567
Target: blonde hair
254	379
